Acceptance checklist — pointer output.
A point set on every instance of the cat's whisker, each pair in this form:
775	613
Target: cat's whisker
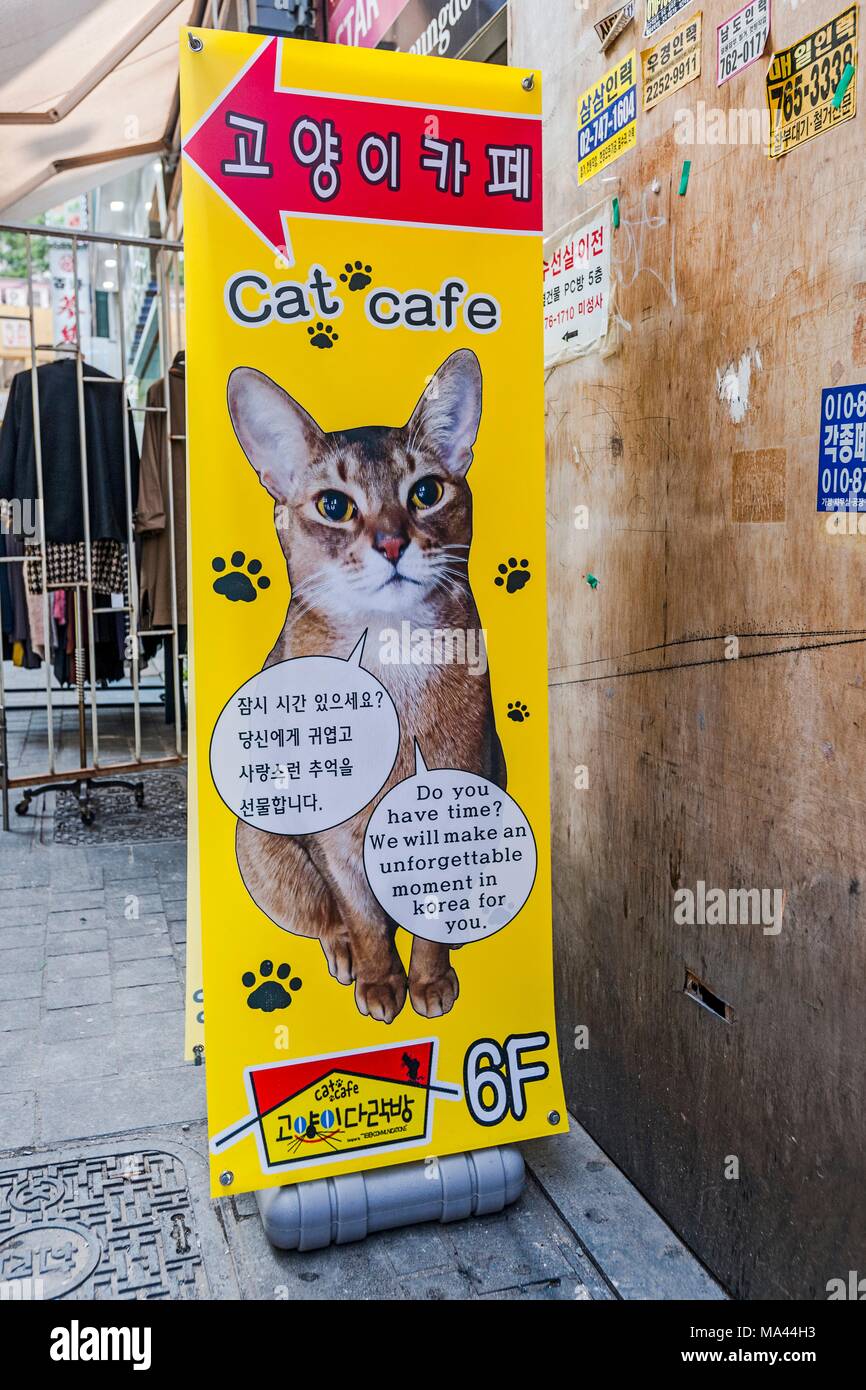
457	571
307	592
448	557
449	585
458	580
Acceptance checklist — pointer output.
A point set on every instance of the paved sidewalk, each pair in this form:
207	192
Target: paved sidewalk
103	1173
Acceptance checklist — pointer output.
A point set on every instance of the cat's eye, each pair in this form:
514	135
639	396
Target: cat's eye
335	506
426	493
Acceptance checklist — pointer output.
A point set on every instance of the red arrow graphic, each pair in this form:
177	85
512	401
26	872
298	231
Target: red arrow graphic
274	152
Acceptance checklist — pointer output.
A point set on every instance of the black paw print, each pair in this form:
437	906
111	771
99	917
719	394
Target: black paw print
513	575
322	336
518	712
237	585
270	994
357	276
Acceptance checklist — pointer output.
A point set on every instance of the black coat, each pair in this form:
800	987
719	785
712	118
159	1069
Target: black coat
104	410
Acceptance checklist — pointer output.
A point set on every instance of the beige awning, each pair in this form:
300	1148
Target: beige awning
87	88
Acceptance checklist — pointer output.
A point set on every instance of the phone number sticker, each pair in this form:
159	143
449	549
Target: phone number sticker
741	40
802	81
842	450
659	13
607	118
671	64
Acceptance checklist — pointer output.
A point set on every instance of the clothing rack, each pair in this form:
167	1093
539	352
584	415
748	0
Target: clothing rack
86	776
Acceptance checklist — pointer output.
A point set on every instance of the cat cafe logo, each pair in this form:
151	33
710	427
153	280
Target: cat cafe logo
251	299
77	1343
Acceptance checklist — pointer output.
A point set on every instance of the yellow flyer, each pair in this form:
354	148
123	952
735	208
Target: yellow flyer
365	421
607	118
671	64
812	85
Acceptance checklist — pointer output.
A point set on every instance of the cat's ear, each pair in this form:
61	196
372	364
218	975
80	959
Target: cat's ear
276	434
448	414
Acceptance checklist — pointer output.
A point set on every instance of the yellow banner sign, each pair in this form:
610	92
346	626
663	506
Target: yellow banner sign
363	250
673	63
813	85
607	118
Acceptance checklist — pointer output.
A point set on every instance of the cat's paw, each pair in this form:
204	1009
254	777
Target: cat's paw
237	585
357	276
322	336
270	994
432	998
518	712
381	999
338	954
513	575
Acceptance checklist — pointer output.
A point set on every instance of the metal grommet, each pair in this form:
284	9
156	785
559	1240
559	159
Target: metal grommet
227	1178
529	82
195	42
553	1118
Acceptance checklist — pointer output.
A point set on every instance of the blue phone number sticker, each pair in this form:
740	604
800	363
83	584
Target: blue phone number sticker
608	123
842	450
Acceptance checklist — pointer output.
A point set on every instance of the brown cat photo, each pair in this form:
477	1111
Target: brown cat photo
376	526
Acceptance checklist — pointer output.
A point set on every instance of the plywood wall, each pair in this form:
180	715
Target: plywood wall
740	773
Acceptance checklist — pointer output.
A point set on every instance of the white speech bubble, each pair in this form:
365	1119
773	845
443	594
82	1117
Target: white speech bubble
449	855
305	745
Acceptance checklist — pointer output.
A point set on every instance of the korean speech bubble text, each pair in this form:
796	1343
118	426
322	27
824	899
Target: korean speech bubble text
305	744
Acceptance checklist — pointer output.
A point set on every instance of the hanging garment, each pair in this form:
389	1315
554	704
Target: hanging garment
106	414
67	564
20	617
151	516
7	613
108	644
36	619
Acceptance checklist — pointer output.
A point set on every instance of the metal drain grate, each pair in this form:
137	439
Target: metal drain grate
118	820
116	1226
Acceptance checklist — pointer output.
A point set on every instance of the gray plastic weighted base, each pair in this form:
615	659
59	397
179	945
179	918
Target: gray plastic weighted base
311	1215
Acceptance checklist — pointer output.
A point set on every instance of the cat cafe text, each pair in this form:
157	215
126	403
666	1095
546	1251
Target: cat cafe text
252	299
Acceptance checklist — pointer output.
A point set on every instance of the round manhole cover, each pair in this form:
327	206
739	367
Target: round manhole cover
53	1258
36	1193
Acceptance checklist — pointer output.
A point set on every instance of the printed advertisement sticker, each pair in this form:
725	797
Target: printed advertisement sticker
576	298
842	450
803	80
672	63
607	118
741	40
661	12
612	25
307	1111
367	525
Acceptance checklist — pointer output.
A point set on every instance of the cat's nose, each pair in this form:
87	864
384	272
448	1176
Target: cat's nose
391	547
